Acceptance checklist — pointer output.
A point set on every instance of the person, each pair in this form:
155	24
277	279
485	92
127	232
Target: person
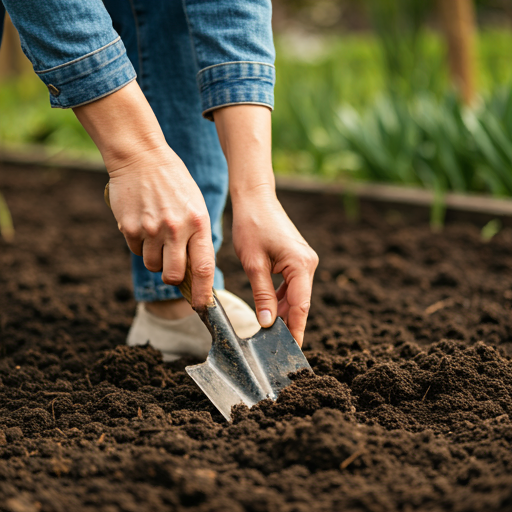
177	95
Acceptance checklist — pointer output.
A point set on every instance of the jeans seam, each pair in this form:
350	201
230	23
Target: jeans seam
190	34
139	52
236	62
88	72
96	97
239	79
118	38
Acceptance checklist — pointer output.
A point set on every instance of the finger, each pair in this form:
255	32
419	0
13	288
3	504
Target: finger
174	263
263	292
202	267
282	308
299	298
281	291
133	238
135	245
152	254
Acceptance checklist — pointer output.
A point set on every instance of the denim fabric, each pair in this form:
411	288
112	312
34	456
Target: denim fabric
190	56
238	35
157	40
90	77
73	48
78	34
234	83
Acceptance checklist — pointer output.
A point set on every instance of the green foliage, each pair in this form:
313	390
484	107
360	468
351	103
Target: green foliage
341	113
434	143
6	225
398	24
491	229
26	118
417	136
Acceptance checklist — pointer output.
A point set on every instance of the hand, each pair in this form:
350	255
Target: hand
162	214
266	241
158	206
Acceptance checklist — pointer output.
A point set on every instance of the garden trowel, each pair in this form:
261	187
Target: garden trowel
243	370
240	370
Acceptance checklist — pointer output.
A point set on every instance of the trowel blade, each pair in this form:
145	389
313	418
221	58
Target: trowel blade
271	354
216	387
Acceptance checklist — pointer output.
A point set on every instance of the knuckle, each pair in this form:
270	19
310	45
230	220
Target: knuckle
254	266
152	265
173	278
135	248
309	260
150	227
204	269
314	259
305	306
129	229
172	227
263	296
198	220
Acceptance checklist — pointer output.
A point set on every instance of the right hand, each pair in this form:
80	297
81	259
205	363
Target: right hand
158	206
162	214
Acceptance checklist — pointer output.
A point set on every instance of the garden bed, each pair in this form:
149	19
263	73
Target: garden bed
410	337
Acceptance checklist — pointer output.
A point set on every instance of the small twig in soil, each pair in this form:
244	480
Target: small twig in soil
428	389
352	458
53	410
101	438
438	305
6	226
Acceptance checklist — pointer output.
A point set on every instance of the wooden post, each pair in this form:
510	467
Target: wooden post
458	20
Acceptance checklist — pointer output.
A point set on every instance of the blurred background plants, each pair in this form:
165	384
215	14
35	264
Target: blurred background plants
363	92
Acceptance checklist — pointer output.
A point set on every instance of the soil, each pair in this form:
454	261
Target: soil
410	338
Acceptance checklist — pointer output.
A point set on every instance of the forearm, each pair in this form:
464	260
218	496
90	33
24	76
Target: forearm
122	125
158	206
245	136
264	238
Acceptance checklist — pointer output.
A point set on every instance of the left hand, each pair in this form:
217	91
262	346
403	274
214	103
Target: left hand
267	242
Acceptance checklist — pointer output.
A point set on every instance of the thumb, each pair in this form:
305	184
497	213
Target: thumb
264	294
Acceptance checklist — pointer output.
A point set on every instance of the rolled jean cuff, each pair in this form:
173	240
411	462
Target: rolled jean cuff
236	83
90	77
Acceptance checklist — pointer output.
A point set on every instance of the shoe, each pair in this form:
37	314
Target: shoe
189	336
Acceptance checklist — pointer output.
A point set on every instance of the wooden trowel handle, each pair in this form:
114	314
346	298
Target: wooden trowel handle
186	285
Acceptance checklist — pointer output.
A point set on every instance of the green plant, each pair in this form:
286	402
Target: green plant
6	225
491	229
437	144
399	25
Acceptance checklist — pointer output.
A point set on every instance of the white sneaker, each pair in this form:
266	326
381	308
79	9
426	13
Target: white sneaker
189	336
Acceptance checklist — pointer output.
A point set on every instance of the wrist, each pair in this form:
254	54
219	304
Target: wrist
245	136
122	125
252	186
124	151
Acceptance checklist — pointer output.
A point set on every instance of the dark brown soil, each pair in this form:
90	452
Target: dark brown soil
410	337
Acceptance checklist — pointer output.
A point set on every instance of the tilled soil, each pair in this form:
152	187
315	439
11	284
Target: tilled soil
410	337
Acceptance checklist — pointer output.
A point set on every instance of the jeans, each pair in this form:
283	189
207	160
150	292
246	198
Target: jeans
190	57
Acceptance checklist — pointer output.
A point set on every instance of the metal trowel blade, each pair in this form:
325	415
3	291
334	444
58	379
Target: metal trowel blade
246	370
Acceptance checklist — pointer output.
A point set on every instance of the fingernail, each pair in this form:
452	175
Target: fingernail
265	317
